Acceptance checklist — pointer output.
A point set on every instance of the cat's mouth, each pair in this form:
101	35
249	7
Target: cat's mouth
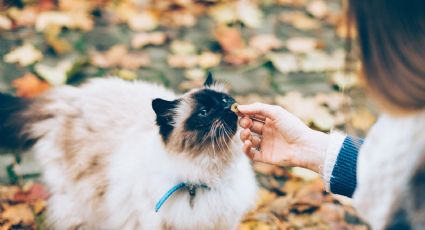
223	130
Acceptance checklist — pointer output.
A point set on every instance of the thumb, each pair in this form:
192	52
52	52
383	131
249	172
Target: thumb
265	110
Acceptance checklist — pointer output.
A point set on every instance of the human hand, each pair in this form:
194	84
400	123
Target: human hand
273	135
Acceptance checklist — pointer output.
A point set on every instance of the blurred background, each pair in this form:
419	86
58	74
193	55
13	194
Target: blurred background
289	52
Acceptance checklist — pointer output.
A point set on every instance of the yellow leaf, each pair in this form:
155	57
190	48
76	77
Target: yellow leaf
16	214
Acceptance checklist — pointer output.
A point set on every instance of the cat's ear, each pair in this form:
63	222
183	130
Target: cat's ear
165	111
210	80
164	108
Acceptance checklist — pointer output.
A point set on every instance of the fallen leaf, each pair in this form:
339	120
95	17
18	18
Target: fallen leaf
265	42
284	62
58	74
7	192
71	20
195	74
208	59
182	61
334	101
299	20
255	225
5	23
182	47
292	3
305	174
110	58
17	214
143	21
242	56
319	61
179	18
345	80
224	13
323	119
126	74
249	13
119	56
23	17
141	40
188	85
230	39
264	197
24	55
308	110
135	60
318	8
302	44
29	86
51	34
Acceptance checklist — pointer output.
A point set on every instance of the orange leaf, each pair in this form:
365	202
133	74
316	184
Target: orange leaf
230	39
29	85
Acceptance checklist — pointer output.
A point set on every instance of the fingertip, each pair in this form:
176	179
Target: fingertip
245	122
245	134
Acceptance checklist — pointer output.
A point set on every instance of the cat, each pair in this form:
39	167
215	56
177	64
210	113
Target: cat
113	152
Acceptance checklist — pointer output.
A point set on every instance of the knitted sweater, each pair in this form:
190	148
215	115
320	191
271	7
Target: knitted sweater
379	172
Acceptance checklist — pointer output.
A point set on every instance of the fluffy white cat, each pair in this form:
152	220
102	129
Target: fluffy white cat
111	149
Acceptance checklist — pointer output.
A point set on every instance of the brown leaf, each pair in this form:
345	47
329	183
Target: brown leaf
229	38
29	86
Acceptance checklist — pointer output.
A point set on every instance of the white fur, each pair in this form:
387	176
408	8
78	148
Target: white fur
138	169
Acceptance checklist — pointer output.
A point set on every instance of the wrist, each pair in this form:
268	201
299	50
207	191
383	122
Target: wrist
313	154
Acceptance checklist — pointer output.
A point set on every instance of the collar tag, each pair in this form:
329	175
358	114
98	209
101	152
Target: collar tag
191	188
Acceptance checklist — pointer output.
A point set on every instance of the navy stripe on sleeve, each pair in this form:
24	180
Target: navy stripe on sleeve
344	180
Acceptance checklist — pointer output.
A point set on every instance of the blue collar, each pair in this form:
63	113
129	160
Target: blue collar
191	188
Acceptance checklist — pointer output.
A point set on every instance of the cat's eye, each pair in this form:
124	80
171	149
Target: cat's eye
203	113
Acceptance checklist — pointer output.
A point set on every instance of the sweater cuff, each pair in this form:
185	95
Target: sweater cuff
344	179
334	146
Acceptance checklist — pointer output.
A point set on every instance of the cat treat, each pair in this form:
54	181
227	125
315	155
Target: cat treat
234	108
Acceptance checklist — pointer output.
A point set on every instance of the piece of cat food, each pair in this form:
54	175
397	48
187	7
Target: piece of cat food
234	107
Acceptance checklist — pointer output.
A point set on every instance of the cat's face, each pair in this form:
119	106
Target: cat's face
200	121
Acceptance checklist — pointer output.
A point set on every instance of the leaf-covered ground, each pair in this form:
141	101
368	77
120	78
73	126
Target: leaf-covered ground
287	52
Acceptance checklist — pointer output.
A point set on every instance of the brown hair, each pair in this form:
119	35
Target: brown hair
391	36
